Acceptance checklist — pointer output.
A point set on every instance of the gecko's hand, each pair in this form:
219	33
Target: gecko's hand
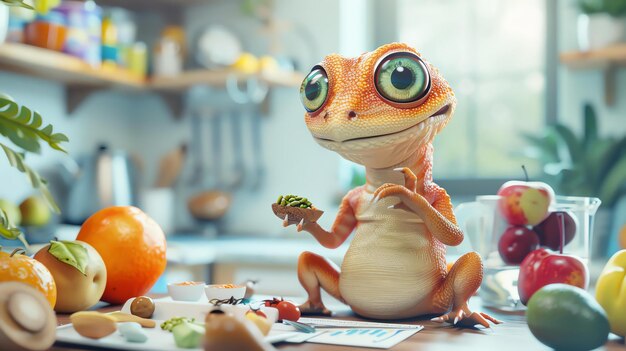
403	192
301	225
303	218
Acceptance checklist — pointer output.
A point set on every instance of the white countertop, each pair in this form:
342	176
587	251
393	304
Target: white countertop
230	249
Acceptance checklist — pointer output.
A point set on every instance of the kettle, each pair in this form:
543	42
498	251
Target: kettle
102	179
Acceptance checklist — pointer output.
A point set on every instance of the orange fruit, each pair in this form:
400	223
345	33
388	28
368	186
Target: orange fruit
132	246
18	267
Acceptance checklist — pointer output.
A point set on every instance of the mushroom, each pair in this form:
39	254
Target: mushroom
226	332
27	322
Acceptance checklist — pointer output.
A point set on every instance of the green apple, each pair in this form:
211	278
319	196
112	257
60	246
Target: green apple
35	212
13	212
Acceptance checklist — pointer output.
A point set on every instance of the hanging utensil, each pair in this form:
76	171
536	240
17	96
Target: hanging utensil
257	96
237	175
170	167
216	149
257	150
254	94
198	171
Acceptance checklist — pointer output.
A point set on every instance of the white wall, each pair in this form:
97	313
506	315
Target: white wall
102	118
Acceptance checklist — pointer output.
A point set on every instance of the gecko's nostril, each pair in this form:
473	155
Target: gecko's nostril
351	115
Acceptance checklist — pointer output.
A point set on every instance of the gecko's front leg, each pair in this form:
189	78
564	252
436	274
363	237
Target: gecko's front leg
438	216
316	272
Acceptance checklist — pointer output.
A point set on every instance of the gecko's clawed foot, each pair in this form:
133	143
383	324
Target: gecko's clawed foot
463	319
410	180
309	308
391	189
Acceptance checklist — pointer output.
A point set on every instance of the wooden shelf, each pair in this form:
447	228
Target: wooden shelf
146	5
607	59
219	78
63	68
81	79
600	58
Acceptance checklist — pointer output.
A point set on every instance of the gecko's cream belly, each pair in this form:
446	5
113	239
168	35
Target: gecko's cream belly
389	270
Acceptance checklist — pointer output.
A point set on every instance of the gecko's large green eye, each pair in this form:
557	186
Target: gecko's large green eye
314	89
402	79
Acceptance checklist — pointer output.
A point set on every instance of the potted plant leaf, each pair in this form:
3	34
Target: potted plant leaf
601	23
587	165
25	129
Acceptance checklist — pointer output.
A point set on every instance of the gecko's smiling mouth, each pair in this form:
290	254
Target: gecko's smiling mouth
436	117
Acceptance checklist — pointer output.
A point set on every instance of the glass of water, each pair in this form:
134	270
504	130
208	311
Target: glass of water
483	226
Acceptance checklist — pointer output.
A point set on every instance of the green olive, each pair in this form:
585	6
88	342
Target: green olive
314	89
402	78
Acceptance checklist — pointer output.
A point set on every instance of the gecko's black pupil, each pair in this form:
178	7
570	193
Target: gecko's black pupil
312	89
402	78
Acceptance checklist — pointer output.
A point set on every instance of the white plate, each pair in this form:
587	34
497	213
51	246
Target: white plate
158	339
217	46
161	340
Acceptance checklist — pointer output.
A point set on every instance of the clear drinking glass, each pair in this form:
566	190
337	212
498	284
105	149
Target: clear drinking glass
483	226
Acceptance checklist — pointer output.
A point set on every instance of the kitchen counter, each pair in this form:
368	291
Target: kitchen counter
191	250
512	335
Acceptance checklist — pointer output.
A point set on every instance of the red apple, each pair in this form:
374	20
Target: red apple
542	267
517	242
525	203
549	233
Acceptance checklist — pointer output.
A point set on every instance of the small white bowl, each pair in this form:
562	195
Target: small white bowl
216	291
191	292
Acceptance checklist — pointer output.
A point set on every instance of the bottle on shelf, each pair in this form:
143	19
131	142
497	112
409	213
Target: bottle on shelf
109	42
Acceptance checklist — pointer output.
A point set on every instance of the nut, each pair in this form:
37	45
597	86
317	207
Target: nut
142	306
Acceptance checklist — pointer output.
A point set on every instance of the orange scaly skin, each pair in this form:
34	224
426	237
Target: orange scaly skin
395	266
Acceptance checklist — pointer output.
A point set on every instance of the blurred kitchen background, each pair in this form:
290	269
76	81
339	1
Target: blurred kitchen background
190	109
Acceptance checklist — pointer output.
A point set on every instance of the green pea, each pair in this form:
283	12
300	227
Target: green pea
294	201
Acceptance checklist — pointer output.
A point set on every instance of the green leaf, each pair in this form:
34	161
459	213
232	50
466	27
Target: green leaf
16	160
6	229
614	183
543	147
17	3
591	125
569	148
597	153
71	253
613	155
21	126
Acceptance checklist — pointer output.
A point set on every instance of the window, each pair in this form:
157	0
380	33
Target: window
493	55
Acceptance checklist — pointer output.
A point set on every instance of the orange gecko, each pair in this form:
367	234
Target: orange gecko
382	110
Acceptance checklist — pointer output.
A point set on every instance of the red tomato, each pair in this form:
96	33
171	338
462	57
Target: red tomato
288	310
258	313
